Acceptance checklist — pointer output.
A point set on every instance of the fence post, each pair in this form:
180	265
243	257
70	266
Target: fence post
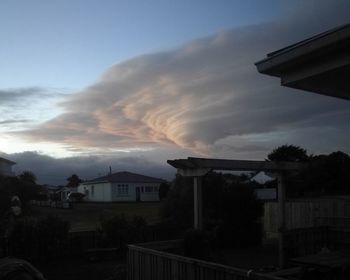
198	215
281	218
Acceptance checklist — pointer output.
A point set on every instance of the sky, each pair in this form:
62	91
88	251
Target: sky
85	85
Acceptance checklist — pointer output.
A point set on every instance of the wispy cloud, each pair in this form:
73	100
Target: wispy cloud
19	107
13	121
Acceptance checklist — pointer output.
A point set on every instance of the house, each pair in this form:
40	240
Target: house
121	186
264	193
6	167
261	178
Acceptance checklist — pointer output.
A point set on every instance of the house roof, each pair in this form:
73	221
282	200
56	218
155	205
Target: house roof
7	161
125	177
318	64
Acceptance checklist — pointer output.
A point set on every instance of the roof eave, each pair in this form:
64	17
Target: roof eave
277	62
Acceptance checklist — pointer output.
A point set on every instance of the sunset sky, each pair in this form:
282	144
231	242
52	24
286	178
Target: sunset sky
87	84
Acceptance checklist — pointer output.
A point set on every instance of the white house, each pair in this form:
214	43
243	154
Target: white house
6	167
121	186
261	178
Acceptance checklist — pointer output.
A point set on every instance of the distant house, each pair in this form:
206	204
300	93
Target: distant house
121	186
261	177
264	193
6	167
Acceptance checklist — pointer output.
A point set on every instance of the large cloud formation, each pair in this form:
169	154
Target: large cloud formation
205	97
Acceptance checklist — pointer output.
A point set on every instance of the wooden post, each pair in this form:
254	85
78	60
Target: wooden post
281	218
198	215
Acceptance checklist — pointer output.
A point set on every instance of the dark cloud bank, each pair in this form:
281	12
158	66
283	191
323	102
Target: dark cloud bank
56	171
206	98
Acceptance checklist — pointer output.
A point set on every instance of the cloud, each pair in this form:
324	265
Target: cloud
10	121
21	96
55	171
205	97
21	107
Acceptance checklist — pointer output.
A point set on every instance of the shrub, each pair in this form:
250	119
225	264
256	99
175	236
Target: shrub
33	238
76	196
118	231
177	208
197	244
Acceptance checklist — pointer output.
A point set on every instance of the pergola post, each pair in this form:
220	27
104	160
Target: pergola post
281	218
198	202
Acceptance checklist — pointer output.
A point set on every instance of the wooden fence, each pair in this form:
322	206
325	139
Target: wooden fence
149	262
307	213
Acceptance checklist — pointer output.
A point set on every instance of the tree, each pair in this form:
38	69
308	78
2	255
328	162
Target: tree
328	174
28	176
163	190
177	208
230	208
73	181
288	153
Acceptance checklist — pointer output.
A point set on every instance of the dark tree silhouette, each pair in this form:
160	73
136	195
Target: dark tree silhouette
163	190
73	181
329	174
28	176
288	153
230	208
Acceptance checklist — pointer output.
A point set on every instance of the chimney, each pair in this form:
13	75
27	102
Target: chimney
110	170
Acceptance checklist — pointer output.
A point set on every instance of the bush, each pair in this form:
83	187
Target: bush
118	232
230	208
76	196
197	244
33	238
240	214
177	208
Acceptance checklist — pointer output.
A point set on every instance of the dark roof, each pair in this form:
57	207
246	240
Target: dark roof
125	177
319	64
325	41
7	160
314	38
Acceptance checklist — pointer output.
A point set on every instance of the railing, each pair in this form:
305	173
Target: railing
147	262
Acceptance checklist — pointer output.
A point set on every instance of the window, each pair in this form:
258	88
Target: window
123	189
92	190
148	189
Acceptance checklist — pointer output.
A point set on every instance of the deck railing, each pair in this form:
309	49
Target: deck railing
148	262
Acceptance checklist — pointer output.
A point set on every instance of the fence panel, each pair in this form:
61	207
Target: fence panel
308	213
145	263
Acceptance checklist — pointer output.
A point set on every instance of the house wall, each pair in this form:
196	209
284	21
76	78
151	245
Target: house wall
98	192
147	192
5	168
120	192
130	195
150	195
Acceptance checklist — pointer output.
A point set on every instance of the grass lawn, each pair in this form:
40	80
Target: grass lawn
86	216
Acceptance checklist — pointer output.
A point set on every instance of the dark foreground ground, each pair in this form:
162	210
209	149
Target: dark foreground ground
260	258
74	269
